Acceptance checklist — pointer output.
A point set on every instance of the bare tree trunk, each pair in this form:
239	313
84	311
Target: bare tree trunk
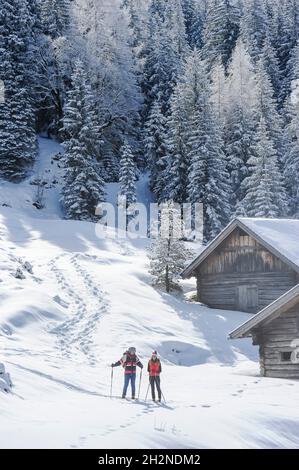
167	283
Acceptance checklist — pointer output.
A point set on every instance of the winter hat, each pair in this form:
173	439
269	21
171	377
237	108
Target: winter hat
154	353
132	350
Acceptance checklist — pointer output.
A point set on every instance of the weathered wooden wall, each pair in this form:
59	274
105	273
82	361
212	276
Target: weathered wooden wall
276	338
242	275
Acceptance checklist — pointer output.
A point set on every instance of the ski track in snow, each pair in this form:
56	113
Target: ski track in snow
87	308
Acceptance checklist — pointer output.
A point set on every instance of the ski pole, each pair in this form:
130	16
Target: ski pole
140	384
147	392
111	382
163	396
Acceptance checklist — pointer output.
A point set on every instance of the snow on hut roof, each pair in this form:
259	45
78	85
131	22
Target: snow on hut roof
279	236
282	234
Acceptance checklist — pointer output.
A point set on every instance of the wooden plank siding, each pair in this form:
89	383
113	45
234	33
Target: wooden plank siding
239	261
276	338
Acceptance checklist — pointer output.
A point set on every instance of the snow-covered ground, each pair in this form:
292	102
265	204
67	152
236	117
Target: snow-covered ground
84	303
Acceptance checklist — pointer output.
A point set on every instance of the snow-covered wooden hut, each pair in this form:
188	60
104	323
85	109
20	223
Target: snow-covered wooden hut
251	263
276	331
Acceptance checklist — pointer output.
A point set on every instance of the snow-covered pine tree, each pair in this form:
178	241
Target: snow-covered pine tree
135	13
291	156
287	36
17	113
267	107
193	23
239	148
168	254
157	8
209	181
83	187
271	64
264	189
219	91
189	97
218	196
55	17
127	174
175	26
178	161
221	31
289	75
165	49
241	117
158	81
58	50
34	9
254	26
241	82
109	162
155	149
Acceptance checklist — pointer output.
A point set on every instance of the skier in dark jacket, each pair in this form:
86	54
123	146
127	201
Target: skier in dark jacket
129	361
154	369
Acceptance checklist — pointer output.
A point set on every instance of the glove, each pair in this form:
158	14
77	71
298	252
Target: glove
141	366
112	365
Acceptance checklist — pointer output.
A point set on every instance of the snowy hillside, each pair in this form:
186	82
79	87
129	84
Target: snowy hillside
84	302
47	170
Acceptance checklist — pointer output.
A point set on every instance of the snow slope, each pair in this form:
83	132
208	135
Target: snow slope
85	302
21	196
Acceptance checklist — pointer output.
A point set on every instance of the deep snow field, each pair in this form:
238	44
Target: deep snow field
85	302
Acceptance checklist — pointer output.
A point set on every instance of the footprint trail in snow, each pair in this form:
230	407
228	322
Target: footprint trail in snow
76	334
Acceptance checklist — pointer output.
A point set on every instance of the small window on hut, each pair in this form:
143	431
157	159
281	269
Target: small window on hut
286	356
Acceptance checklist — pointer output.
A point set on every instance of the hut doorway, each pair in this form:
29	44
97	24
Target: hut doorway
247	298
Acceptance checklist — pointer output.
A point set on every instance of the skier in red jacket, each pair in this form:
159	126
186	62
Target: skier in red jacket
154	369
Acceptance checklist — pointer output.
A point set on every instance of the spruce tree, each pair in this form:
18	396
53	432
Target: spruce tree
189	96
271	64
55	17
83	187
290	74
221	31
209	181
57	53
291	157
219	92
155	149
176	28
137	26
254	27
265	194
168	254
127	174
18	146
267	107
193	23
241	117
178	161
240	138
165	50
287	36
